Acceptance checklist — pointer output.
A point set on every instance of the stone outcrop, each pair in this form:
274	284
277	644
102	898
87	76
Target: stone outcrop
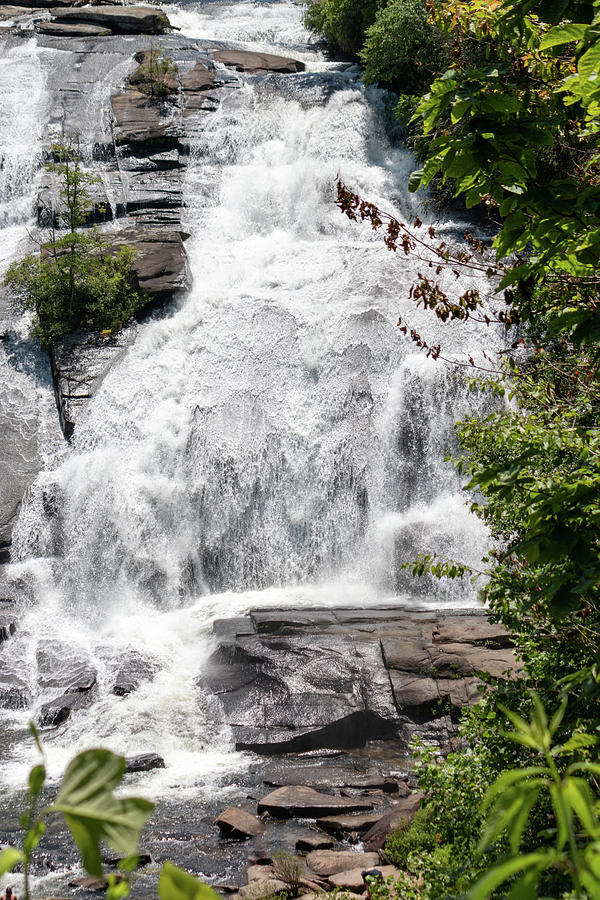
403	811
294	680
116	19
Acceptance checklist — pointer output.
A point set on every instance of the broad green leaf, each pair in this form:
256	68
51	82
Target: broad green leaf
176	884
415	180
37	777
563	34
93	813
577	741
511	777
578	795
492	879
9	858
510	813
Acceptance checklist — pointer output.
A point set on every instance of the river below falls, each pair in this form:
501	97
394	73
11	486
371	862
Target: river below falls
271	439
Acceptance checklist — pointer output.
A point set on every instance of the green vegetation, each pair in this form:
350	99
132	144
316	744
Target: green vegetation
95	815
510	124
76	281
155	75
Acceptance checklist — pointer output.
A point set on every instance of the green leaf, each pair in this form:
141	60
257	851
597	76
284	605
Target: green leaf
577	741
414	181
37	777
563	34
176	884
488	883
93	813
9	858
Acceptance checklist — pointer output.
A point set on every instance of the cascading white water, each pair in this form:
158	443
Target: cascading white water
273	440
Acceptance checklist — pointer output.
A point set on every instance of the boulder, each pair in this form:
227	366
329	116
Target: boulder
340	825
403	811
350	880
160	262
237	823
60	666
314	842
143	859
133	671
329	862
296	801
57	711
255	63
144	763
263	887
118	19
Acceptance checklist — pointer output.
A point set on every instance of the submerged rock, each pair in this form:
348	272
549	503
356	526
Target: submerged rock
144	762
59	710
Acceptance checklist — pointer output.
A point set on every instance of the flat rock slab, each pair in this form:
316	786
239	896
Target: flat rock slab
118	19
263	887
314	842
254	63
340	825
140	119
237	823
302	802
332	777
329	862
71	29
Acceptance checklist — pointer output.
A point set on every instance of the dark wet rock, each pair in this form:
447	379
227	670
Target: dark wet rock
92	883
301	802
133	671
341	825
8	621
72	29
118	19
57	711
309	692
328	862
60	667
403	811
14	692
340	678
144	859
80	363
254	63
144	763
312	841
237	823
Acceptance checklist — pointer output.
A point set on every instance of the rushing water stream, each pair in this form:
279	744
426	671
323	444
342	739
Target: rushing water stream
274	439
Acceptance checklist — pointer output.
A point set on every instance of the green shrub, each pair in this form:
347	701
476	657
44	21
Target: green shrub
342	22
78	286
402	48
420	834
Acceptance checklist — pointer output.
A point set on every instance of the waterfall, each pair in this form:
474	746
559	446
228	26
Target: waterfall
272	439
